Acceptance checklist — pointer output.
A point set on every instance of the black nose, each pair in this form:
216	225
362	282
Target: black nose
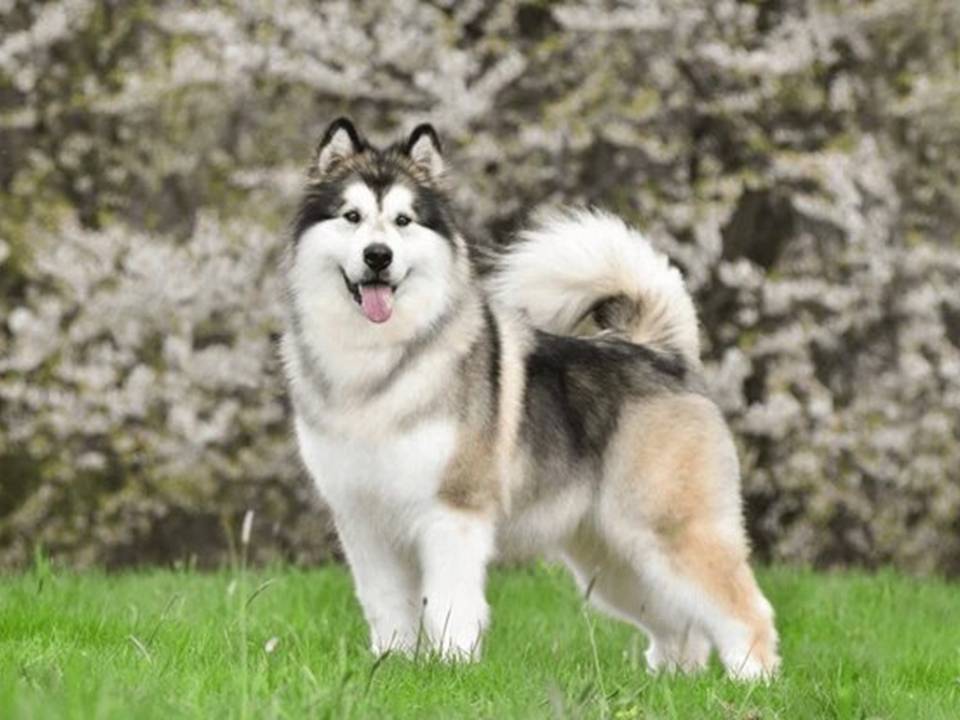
377	256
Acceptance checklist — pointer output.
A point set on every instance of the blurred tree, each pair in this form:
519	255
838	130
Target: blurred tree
796	157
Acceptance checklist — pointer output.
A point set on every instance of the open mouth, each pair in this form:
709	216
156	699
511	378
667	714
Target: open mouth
375	297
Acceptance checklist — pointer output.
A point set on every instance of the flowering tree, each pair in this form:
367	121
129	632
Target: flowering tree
796	157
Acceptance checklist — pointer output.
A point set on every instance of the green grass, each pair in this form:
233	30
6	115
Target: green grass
170	644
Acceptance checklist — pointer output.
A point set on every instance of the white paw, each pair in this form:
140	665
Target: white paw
689	654
460	653
395	643
458	637
749	668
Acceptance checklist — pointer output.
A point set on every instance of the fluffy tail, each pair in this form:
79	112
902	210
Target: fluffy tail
581	271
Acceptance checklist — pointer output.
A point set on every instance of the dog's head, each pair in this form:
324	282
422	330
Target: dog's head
374	240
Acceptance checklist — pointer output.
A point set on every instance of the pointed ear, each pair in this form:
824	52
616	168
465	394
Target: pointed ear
423	147
340	141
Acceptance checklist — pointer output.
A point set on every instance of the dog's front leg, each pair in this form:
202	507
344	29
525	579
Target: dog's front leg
455	547
386	584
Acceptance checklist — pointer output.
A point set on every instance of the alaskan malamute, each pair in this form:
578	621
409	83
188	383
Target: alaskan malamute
556	408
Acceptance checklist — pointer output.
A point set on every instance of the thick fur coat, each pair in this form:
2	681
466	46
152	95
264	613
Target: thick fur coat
556	408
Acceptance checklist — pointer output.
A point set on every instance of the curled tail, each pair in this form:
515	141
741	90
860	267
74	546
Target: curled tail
581	271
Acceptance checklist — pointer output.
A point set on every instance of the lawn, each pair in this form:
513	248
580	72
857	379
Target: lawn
291	644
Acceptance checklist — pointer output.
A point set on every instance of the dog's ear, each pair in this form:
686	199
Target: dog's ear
339	142
423	147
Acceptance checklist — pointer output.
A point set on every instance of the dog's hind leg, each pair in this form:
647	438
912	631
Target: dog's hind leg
614	587
716	591
671	510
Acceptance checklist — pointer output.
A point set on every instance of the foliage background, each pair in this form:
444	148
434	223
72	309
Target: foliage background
798	158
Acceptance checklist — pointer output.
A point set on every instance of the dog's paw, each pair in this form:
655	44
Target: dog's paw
396	644
751	669
458	637
466	650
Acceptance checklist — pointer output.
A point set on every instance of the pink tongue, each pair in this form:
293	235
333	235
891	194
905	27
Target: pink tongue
376	301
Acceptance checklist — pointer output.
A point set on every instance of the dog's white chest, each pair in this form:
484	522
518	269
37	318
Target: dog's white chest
383	473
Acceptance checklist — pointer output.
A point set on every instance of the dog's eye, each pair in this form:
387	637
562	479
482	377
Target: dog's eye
402	220
352	216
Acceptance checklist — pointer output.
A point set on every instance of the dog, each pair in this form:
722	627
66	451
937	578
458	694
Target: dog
554	407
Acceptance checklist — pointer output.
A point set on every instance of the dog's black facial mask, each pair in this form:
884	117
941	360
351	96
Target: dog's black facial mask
343	155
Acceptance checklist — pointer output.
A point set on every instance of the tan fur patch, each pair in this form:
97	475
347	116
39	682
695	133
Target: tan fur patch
677	459
470	482
722	570
682	475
